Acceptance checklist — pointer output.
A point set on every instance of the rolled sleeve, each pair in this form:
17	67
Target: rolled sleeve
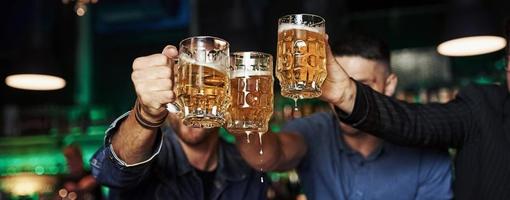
109	133
110	170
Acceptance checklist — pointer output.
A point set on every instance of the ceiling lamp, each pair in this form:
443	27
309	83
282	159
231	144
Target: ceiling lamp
35	82
470	30
471	45
35	68
36	72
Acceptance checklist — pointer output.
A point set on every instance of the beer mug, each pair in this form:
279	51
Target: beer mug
201	81
251	92
301	55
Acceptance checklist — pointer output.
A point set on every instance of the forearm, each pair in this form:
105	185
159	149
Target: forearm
133	143
409	124
278	151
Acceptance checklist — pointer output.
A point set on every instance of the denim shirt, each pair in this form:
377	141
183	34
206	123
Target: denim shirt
167	174
331	170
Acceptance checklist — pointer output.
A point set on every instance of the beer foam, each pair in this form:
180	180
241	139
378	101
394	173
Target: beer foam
242	73
216	66
284	27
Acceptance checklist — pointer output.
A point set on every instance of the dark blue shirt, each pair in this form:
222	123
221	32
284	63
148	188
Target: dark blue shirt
331	170
167	174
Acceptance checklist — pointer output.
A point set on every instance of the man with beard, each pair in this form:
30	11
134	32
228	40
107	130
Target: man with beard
150	154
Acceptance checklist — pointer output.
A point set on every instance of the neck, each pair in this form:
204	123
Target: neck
362	143
202	156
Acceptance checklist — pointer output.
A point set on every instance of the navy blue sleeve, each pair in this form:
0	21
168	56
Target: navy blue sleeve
435	178
111	171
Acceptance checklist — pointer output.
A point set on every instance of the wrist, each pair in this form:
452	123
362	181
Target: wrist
152	117
148	120
345	100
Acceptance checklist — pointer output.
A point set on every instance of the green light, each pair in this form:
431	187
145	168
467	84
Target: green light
19	155
227	136
484	80
11	170
75	131
500	64
97	130
275	177
39	170
105	191
53	170
84	61
275	128
97	114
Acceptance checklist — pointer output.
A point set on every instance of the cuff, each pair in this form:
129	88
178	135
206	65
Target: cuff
113	156
361	107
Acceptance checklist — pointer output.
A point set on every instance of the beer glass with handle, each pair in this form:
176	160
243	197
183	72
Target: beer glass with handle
201	81
251	92
301	55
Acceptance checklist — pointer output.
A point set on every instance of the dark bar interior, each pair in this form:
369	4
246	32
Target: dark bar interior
89	46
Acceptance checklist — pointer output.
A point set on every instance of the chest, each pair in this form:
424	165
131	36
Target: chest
349	176
490	134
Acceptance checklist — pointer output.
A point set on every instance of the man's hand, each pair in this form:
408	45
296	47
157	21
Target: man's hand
338	89
153	80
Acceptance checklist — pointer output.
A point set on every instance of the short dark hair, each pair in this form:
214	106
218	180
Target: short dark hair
365	46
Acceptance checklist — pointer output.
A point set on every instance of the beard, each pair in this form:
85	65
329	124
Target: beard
196	136
192	136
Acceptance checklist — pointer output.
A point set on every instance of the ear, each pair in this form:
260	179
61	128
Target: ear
391	84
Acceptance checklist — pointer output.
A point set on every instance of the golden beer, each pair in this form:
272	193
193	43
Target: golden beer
301	56
202	82
251	90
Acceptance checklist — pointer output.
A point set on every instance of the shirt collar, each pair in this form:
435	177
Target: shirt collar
231	166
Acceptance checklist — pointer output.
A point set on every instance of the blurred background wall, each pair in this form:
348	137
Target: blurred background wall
94	52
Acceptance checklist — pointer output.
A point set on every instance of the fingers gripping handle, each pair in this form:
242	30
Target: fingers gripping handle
174	107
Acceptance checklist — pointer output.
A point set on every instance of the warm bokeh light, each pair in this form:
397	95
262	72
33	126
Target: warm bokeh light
27	184
470	46
80	11
35	82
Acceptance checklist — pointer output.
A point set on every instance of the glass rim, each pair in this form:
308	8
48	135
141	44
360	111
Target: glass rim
253	55
204	37
257	53
321	21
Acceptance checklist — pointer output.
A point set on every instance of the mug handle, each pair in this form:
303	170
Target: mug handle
174	107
